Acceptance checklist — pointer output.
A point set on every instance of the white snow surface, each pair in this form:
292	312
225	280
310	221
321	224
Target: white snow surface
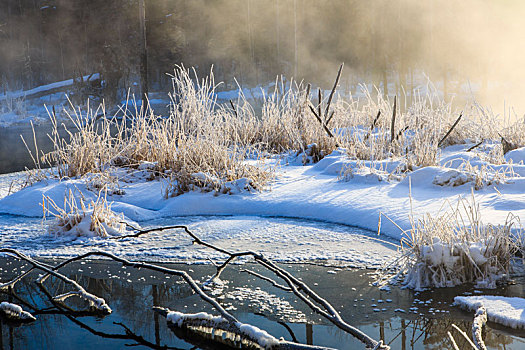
507	311
318	192
311	192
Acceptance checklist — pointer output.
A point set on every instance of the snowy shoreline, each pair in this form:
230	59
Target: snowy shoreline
314	192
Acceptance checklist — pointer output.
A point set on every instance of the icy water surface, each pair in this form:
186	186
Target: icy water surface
285	240
131	293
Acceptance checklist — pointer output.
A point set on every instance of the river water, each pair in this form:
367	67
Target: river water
131	293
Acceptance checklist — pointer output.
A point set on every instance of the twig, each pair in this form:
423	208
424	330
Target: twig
319	102
450	130
452	341
308	87
321	121
401	132
98	303
234	109
476	145
465	336
268	279
392	126
333	90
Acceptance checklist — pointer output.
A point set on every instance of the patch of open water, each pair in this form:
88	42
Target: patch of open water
131	293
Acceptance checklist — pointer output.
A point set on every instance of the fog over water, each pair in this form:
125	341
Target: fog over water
462	46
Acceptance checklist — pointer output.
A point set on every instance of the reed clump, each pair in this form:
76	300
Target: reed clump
80	220
457	248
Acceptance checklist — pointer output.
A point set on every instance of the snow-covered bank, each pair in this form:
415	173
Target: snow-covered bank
312	192
507	311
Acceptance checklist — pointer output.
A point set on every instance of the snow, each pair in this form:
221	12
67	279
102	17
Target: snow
262	337
311	192
507	311
284	240
15	311
316	192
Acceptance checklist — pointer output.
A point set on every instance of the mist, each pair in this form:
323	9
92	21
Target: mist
468	49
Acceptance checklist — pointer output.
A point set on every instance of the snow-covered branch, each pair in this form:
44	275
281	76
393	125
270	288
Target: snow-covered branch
96	302
15	312
221	330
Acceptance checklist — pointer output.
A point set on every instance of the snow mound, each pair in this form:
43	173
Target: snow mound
507	311
451	178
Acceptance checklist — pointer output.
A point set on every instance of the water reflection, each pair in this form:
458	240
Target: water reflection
131	293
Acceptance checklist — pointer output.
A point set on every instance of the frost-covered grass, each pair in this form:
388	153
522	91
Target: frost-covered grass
457	247
78	220
180	146
204	145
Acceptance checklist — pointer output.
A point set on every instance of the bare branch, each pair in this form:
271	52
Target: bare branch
299	288
333	90
98	303
450	130
393	124
275	284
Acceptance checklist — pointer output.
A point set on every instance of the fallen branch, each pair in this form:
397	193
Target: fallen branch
15	313
480	319
299	288
222	331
